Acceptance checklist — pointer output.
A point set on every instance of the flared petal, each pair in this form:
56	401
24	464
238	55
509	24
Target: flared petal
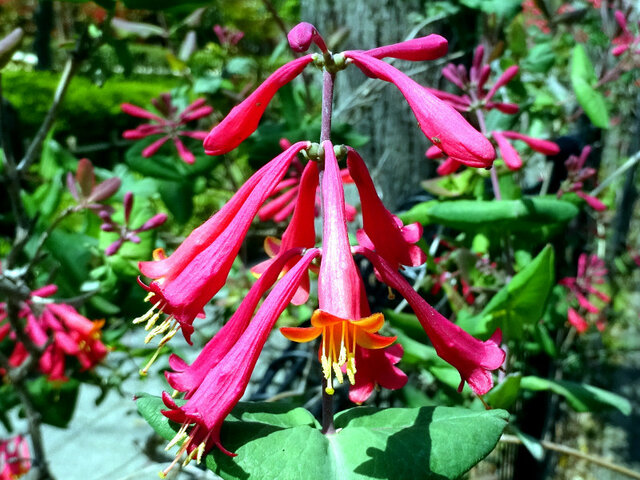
473	358
430	47
377	367
380	225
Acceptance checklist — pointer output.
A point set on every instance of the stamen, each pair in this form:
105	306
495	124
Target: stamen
184	446
351	370
342	357
146	316
338	372
163	327
148	297
390	294
182	433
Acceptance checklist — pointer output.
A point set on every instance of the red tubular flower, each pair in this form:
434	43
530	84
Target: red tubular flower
577	174
430	47
243	119
383	232
509	154
225	383
444	126
187	378
473	358
193	274
543	146
377	367
339	317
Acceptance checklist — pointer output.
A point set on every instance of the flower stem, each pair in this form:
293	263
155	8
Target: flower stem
325	134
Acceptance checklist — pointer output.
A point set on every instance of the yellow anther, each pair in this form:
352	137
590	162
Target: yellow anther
181	435
351	370
338	371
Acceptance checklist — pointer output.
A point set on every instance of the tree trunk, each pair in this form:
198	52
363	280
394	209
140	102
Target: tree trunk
395	152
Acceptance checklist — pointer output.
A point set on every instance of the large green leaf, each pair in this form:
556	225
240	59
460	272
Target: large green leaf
519	303
514	215
581	397
272	441
54	401
583	79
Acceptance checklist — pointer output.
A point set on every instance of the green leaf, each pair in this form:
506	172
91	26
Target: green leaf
271	439
519	303
178	197
592	102
583	79
581	397
512	215
505	393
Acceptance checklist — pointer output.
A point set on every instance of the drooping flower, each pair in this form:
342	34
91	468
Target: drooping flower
15	459
343	317
170	124
226	376
577	174
382	231
243	119
473	358
184	282
445	127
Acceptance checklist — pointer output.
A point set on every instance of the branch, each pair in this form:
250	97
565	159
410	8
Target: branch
556	447
619	171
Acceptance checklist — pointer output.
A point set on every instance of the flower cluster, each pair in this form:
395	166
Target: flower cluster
577	174
227	36
169	124
125	233
86	193
59	330
351	347
591	271
14	458
476	97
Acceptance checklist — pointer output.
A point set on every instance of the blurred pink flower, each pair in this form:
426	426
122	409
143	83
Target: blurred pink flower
577	174
15	459
170	124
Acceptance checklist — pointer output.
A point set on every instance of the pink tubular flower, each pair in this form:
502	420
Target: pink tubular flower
383	232
474	359
577	174
243	119
14	458
591	271
169	125
184	282
227	36
430	47
377	368
226	378
445	127
343	318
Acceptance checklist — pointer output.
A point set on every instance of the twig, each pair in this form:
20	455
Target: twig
556	447
619	171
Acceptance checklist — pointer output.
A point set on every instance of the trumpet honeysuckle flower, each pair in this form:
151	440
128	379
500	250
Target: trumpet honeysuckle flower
443	125
243	119
302	35
377	368
226	378
625	40
473	358
342	318
170	124
87	193
383	232
420	49
186	281
15	460
187	378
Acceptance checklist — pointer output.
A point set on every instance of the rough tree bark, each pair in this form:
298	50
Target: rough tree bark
395	152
